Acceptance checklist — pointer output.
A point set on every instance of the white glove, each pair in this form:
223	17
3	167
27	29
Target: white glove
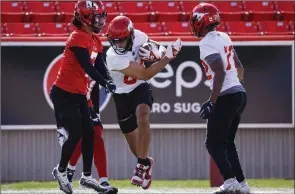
149	55
173	49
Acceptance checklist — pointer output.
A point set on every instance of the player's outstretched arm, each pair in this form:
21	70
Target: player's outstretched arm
216	64
239	66
137	71
83	57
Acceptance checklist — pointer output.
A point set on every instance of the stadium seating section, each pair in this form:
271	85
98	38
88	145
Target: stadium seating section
158	18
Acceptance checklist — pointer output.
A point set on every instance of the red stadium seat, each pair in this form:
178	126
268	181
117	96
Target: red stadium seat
229	6
230	10
286	9
65	10
52	29
177	28
136	11
40	11
221	27
242	28
292	26
261	10
111	7
285	6
151	29
3	30
188	6
133	7
20	29
166	11
12	11
275	27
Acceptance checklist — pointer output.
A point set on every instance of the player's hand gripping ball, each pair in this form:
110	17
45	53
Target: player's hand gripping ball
149	52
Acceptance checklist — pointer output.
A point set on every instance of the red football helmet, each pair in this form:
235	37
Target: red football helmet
91	13
121	34
202	16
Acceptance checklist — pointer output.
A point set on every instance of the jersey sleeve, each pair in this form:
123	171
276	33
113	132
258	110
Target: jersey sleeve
99	44
117	62
207	49
79	39
141	37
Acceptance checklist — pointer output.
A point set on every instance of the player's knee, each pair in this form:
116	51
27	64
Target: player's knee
142	114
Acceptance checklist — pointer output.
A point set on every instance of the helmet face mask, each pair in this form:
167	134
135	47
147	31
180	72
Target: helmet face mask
121	34
99	22
122	46
92	14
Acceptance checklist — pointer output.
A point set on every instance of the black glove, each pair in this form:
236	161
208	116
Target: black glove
206	109
110	86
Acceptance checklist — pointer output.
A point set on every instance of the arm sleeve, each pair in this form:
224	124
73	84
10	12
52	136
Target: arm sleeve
83	58
100	66
95	97
211	58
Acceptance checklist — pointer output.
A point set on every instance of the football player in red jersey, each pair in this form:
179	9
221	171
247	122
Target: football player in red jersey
100	159
68	93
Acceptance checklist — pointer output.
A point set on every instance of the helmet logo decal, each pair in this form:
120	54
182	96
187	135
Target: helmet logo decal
90	4
199	16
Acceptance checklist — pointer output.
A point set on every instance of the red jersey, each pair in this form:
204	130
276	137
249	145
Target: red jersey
71	76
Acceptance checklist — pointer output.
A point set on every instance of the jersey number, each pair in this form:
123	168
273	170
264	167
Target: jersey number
228	51
129	80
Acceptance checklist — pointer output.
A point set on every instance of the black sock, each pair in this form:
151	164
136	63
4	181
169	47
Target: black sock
61	169
86	173
145	162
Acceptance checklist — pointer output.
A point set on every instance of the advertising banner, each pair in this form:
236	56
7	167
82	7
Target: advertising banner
28	72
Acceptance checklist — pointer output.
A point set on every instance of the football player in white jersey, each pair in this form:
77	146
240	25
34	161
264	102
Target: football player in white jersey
228	97
133	97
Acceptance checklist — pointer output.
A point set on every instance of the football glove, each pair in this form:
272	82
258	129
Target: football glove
110	86
173	49
149	55
206	109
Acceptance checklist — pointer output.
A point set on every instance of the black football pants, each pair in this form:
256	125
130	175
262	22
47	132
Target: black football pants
222	126
72	112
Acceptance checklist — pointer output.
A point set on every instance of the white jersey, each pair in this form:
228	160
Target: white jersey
219	42
117	62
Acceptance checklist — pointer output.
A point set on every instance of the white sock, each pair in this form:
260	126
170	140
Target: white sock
243	182
229	181
103	179
71	167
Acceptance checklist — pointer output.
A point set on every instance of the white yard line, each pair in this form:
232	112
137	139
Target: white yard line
150	191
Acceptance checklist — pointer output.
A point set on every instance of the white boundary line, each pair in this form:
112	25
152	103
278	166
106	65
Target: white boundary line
171	126
153	126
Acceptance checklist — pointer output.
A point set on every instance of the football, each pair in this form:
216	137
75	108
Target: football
154	51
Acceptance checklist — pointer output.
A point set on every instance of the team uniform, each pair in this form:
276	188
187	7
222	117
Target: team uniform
224	108
130	92
71	106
